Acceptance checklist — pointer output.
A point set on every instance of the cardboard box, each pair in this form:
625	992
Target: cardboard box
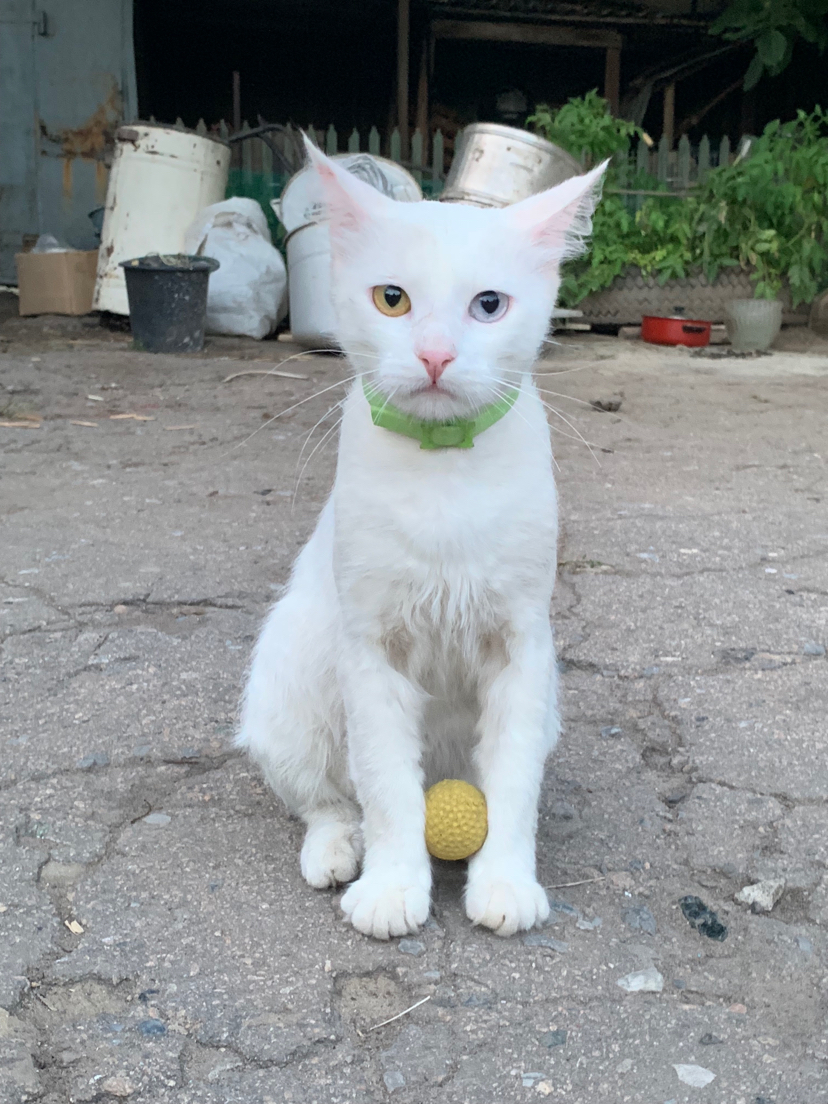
57	283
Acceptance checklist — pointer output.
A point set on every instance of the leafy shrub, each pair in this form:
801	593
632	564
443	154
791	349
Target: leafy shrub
767	212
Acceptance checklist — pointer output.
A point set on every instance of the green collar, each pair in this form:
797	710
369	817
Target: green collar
455	433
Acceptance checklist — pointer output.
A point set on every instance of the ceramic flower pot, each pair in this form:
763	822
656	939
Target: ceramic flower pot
752	324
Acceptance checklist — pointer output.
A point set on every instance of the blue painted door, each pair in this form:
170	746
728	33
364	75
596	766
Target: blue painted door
67	80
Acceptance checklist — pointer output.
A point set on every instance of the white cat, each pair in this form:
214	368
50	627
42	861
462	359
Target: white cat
413	642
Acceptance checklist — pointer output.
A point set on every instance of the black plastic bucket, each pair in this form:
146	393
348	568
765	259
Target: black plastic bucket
168	301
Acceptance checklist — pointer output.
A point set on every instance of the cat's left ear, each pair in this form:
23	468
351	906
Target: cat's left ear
351	203
559	220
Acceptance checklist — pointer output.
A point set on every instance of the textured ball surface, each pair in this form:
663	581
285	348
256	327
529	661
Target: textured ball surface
455	823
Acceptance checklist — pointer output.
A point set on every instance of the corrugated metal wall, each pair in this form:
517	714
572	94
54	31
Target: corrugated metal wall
67	80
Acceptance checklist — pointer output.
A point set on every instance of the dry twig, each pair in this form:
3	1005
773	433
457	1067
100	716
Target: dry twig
569	885
400	1014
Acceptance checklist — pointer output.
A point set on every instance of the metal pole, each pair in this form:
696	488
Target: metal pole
669	120
612	79
403	26
236	101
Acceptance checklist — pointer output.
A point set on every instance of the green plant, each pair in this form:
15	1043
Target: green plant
767	212
584	125
773	26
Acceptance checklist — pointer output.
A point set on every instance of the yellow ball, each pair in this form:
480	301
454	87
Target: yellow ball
455	820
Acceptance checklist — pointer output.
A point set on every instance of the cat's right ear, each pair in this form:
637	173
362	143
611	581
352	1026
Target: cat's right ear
351	203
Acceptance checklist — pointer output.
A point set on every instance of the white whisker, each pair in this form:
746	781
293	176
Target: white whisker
569	436
502	395
325	436
319	421
315	395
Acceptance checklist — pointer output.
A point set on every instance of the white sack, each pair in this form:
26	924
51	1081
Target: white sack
247	293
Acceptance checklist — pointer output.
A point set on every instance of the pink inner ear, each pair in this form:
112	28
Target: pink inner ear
351	202
560	219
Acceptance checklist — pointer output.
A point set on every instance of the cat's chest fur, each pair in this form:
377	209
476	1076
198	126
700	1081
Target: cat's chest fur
447	542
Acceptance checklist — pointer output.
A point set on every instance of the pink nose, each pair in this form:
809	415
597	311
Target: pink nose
435	361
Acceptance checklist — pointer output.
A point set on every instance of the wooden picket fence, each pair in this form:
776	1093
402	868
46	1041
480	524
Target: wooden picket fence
646	170
676	171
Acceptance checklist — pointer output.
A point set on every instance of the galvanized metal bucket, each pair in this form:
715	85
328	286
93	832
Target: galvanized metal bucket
498	165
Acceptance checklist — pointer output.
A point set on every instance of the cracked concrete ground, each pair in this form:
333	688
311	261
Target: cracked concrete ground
157	942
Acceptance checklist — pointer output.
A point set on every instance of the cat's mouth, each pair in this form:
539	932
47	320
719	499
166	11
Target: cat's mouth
434	387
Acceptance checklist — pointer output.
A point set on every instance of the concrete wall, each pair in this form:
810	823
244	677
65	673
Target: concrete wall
66	83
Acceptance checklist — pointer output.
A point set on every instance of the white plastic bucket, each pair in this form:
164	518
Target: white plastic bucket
301	210
312	314
160	179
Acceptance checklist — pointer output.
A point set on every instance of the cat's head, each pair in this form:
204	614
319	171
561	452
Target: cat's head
443	305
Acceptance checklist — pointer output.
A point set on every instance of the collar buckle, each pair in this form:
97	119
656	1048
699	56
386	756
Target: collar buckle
459	434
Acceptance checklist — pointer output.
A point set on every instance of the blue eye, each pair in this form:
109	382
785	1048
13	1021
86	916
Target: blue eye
489	306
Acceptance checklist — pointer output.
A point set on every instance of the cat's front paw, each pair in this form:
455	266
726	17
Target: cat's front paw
384	903
504	900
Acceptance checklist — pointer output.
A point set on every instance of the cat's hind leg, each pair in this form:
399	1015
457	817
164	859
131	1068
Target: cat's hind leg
293	722
293	727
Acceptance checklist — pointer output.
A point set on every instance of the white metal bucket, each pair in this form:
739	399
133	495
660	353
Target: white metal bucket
160	179
301	210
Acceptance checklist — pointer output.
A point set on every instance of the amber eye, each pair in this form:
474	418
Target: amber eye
391	300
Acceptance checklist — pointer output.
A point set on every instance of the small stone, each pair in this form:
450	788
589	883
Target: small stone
625	1066
762	896
393	1080
702	918
536	939
96	759
589	925
544	1088
709	1039
152	1029
814	649
74	927
563	907
411	947
117	1086
609	732
642	981
639	918
695	1076
60	874
739	1009
608	406
679	983
189	753
554	1038
805	945
120	608
160	820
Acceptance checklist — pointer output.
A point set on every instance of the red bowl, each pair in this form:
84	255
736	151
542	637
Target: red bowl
674	331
